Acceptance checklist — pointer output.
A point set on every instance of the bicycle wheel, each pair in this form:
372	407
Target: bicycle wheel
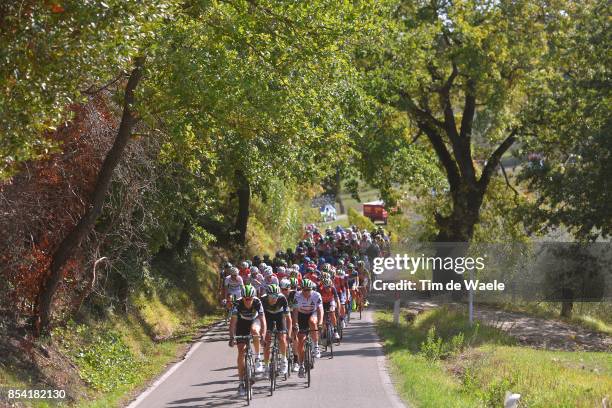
289	360
339	328
330	334
312	356
272	371
307	362
247	378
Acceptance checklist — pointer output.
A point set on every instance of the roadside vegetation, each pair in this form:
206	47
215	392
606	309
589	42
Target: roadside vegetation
438	359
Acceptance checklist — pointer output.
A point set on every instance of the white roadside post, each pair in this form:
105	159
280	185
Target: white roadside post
471	298
396	309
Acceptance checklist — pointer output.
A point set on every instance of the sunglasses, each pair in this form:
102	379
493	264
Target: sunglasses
247	298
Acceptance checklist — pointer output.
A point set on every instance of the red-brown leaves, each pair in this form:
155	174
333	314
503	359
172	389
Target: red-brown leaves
44	201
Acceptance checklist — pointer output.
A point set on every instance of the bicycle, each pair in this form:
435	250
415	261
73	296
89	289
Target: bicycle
329	334
289	357
274	360
309	354
339	328
249	367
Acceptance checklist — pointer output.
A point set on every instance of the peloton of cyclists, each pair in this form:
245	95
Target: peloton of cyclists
291	292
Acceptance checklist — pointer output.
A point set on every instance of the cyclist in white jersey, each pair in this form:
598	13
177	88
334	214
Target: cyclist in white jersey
233	286
307	314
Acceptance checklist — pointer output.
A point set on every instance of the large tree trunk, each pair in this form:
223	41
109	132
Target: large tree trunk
457	229
74	238
567	304
244	200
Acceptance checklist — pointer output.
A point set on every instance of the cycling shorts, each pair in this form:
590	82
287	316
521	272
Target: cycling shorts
243	327
329	306
278	320
303	319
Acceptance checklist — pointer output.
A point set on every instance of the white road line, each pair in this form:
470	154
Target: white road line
383	371
175	367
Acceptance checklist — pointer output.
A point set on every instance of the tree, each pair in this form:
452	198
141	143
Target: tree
73	239
570	128
462	73
257	88
53	55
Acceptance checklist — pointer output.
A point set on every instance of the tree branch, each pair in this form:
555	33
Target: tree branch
443	154
493	161
503	169
468	110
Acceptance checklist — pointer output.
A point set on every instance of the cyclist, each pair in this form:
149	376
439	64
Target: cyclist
276	309
257	280
340	285
232	286
289	288
247	318
269	276
329	297
312	275
307	314
364	278
245	271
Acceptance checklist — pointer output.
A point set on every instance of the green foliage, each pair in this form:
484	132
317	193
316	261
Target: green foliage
489	365
570	126
52	53
105	362
501	214
360	220
434	348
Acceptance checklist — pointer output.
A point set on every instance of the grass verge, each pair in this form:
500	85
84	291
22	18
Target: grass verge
439	360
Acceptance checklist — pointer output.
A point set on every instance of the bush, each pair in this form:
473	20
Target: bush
361	221
435	348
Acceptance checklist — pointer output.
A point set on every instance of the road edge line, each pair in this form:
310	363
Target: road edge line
194	346
383	371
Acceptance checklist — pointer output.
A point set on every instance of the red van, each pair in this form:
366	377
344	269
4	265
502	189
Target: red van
375	211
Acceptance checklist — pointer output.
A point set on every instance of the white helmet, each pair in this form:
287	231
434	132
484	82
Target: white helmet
281	270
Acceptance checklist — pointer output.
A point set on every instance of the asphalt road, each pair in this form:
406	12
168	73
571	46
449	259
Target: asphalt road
207	377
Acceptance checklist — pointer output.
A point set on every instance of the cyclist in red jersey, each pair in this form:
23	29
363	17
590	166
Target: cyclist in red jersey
312	275
330	300
245	271
340	285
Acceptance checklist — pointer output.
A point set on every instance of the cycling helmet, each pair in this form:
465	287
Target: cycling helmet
294	283
326	267
273	289
350	266
327	282
234	271
244	265
268	271
308	284
227	265
254	270
284	283
281	270
249	291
